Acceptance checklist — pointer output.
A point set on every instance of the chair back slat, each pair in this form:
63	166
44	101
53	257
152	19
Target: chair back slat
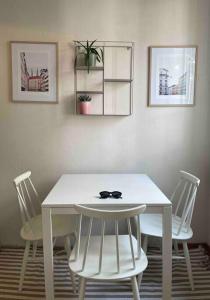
175	190
117	246
187	189
23	208
187	197
131	242
78	236
138	237
189	217
101	245
87	243
30	200
108	216
33	187
180	198
26	194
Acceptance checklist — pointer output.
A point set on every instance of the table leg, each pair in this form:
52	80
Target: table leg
48	253
167	253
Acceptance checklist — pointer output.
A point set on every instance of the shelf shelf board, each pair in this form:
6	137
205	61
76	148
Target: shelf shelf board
84	68
117	80
89	92
104	115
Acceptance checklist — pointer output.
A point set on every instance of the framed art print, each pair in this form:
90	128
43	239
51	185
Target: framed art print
172	75
34	72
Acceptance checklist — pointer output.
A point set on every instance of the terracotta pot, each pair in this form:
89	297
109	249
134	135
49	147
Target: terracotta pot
84	107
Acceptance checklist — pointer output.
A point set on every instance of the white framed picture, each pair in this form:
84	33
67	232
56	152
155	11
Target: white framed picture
172	75
34	72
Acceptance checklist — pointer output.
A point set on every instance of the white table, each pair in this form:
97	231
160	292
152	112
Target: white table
84	189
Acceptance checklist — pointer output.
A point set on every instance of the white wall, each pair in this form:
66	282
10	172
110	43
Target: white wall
50	140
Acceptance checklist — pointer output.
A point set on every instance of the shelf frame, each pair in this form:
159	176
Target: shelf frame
103	45
117	80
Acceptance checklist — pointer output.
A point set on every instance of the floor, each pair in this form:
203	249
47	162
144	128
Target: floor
10	262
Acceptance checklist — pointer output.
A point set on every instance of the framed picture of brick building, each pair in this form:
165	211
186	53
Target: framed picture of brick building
172	75
34	72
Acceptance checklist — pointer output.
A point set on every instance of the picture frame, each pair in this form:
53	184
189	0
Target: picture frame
172	76
34	72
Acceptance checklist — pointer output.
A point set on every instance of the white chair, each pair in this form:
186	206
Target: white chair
108	257
183	200
31	231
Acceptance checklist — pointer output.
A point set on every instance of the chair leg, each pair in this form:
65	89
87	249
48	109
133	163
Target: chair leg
34	249
24	264
82	289
54	242
68	252
145	244
139	279
176	248
135	288
189	268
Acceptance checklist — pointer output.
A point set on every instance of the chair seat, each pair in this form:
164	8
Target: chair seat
61	226
109	262
151	224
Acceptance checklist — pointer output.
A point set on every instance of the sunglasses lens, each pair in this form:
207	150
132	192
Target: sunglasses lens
116	194
104	194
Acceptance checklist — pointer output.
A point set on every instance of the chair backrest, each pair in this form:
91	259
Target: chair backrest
26	194
107	216
183	198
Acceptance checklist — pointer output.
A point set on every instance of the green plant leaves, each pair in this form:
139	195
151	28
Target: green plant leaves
89	48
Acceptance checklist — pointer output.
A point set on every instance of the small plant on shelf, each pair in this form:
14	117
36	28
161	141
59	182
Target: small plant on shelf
91	54
84	104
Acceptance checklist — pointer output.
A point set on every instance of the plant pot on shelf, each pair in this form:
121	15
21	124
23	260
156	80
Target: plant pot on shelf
84	107
88	54
90	60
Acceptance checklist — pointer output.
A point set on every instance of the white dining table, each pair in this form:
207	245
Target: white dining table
84	189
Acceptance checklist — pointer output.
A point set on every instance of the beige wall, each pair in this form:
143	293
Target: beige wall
50	140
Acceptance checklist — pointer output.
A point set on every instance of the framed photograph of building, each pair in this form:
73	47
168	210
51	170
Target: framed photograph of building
172	75
34	72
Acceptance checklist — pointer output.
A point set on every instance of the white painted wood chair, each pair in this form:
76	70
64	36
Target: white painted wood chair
31	231
108	257
183	200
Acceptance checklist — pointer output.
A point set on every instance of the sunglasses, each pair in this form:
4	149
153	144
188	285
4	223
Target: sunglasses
115	194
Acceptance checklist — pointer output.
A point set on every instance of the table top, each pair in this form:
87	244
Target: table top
84	189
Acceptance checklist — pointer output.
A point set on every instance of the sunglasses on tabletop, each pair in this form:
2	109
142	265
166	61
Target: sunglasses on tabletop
106	194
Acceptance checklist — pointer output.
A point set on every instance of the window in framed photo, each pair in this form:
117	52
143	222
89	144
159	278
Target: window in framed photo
34	72
172	75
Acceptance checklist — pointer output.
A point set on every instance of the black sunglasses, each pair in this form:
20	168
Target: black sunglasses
106	194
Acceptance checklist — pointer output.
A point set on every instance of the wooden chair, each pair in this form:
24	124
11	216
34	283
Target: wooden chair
31	231
108	257
183	201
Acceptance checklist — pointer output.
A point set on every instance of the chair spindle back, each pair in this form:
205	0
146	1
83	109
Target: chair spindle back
26	193
183	198
107	216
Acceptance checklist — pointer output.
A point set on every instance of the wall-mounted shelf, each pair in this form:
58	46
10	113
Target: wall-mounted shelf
89	92
84	68
111	86
117	80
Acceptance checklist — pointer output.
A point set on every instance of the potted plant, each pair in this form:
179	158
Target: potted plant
84	104
91	54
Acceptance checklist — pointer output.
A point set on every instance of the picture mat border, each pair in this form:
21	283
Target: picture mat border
57	72
149	104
